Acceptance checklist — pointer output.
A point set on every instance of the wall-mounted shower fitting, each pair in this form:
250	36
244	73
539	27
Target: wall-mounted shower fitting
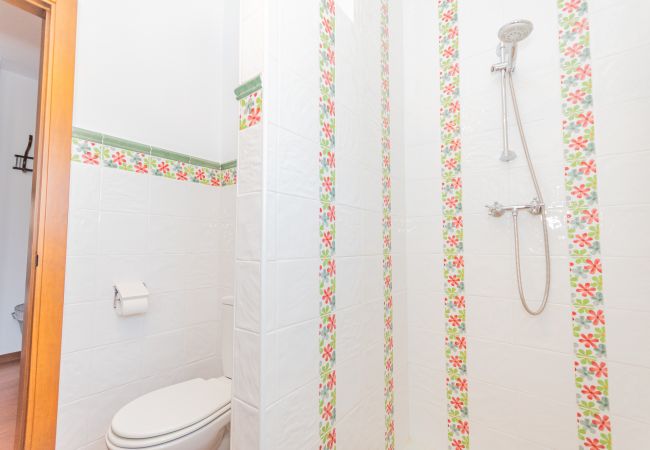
509	35
496	209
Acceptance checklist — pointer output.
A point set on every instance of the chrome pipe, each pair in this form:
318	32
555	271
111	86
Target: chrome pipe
503	67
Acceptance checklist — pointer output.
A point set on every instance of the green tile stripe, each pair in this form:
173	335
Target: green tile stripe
124	144
229	164
248	87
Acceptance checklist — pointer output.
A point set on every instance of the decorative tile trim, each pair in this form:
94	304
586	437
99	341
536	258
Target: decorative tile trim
93	148
250	110
585	268
387	263
452	227
327	231
248	87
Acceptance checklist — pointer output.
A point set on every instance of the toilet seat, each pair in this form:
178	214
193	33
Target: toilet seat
171	413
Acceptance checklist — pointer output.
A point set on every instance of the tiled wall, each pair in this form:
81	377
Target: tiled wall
277	323
620	46
521	382
177	237
520	367
425	301
246	420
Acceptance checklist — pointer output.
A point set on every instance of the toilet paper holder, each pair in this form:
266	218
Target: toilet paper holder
126	291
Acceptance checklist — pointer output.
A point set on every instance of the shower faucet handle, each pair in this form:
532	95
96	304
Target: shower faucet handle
536	207
496	209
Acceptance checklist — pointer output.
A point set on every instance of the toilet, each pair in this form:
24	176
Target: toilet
194	414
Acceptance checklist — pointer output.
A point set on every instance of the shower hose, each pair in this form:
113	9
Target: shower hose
531	169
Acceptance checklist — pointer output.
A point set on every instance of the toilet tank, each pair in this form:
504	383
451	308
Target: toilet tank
227	330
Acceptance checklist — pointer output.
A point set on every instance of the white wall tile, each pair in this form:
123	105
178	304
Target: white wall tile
626	18
295	162
117	364
83	225
628	388
249	161
551	331
630	167
248	302
485	438
623	328
251	47
294	291
168	234
625	130
249	232
488	318
89	177
245	426
297	225
296	39
291	360
246	370
162	352
80	279
122	233
292	422
71	425
621	222
294	113
618	78
201	342
124	191
626	284
630	433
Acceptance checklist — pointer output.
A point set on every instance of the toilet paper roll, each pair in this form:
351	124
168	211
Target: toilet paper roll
132	306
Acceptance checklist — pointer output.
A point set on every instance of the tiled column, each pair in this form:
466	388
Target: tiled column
247	392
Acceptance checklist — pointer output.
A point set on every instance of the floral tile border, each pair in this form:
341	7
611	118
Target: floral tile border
452	228
250	110
327	230
586	273
86	151
387	264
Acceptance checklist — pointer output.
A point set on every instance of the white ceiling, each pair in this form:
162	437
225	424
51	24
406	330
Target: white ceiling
20	40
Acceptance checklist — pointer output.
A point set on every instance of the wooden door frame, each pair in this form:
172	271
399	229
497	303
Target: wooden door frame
41	355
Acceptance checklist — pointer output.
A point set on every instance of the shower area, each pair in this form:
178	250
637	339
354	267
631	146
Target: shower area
449	205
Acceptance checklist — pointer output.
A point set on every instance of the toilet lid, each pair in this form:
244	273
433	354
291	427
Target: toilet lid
172	408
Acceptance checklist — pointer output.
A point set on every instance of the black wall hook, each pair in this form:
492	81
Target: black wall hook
21	160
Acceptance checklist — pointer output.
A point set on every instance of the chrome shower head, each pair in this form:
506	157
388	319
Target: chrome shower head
515	31
509	36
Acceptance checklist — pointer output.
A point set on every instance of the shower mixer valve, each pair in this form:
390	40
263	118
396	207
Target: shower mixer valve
496	209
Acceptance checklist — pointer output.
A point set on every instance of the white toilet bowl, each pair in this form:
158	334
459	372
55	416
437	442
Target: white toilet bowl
193	415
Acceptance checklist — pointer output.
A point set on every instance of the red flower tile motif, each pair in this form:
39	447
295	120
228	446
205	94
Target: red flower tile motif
452	227
586	278
250	110
86	152
327	229
389	383
128	160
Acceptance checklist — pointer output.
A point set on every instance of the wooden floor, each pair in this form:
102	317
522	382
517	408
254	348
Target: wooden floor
9	375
